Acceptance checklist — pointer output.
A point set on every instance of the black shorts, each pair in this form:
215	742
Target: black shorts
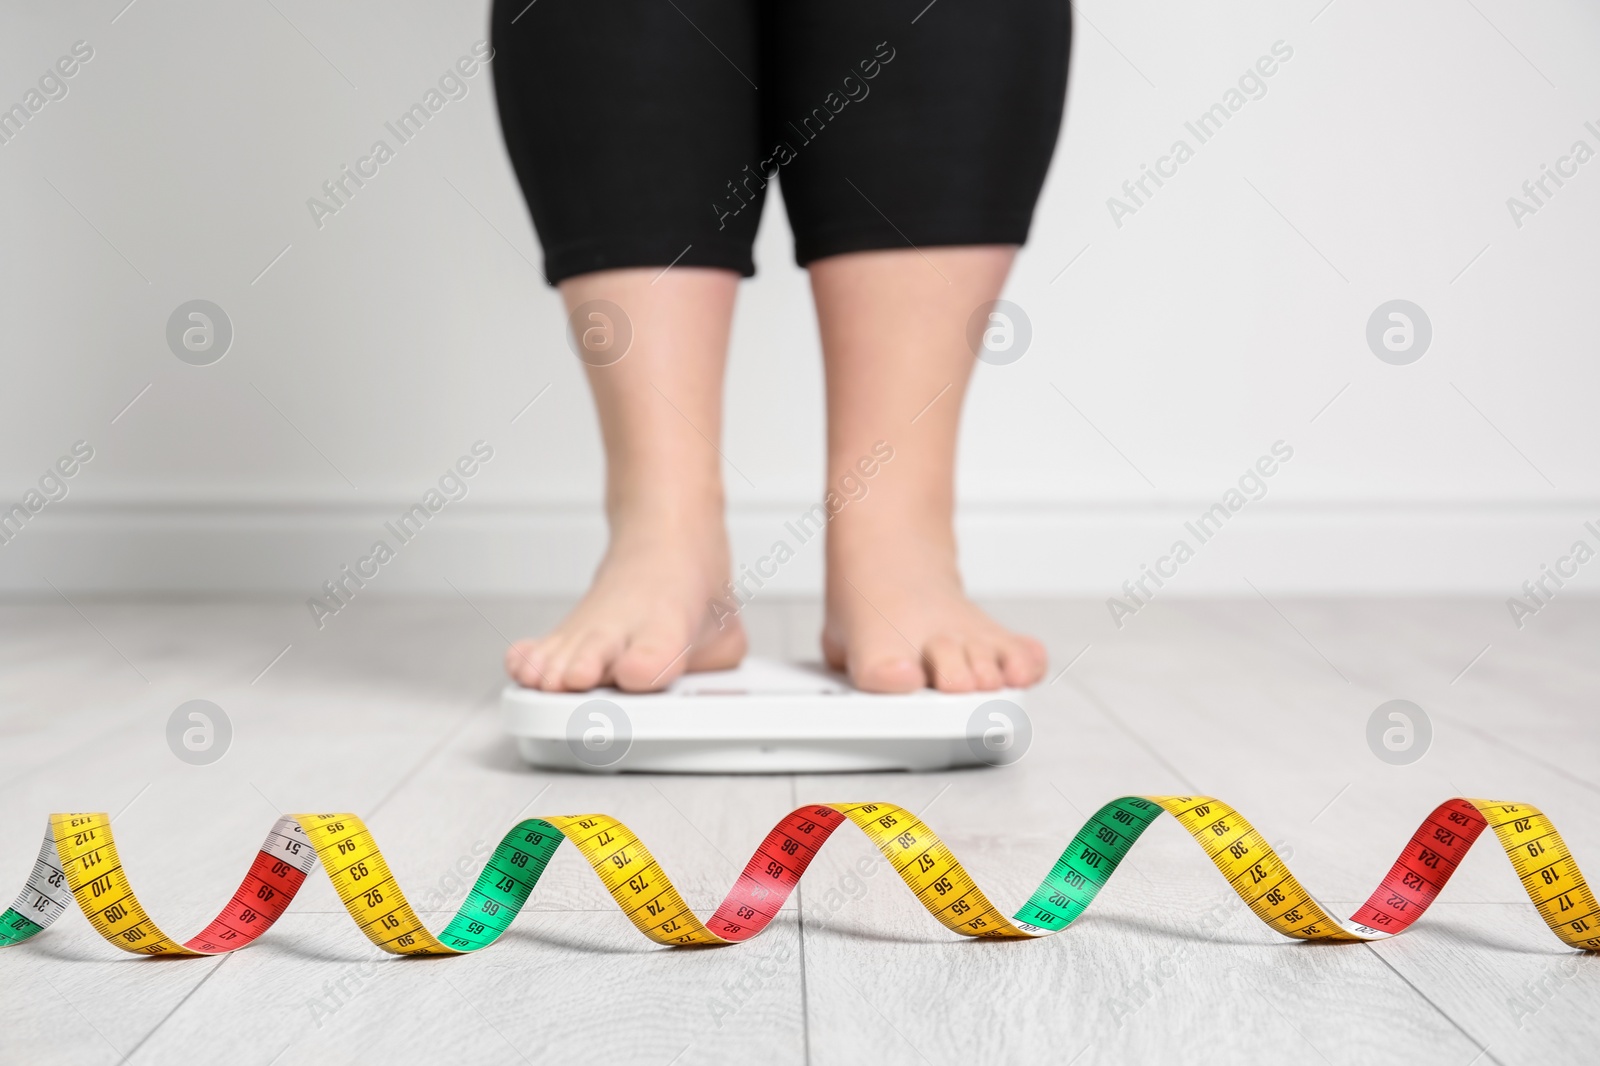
645	132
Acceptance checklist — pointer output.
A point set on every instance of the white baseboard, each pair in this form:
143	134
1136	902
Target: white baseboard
1008	550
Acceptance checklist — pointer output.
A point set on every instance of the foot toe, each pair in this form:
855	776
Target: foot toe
651	662
589	662
947	662
523	662
893	672
1022	661
558	651
984	658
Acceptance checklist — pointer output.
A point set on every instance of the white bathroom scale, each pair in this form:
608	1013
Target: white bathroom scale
765	717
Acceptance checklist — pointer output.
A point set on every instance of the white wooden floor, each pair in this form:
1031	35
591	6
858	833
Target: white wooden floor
390	713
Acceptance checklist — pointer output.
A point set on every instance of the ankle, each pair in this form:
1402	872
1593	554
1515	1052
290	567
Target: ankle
665	502
875	532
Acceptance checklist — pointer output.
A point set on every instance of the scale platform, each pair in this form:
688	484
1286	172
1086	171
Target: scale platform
765	717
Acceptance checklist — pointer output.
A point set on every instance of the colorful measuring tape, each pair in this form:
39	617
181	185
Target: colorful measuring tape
79	856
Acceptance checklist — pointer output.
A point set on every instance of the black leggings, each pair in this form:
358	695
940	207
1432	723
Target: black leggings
644	132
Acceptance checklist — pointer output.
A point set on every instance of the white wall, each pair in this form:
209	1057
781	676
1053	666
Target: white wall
1221	317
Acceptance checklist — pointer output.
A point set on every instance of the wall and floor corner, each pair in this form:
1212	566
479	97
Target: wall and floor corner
1187	310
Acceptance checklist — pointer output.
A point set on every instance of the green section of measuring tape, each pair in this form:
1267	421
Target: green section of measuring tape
1088	863
15	928
504	885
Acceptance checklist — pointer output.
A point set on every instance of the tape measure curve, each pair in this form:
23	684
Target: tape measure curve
78	861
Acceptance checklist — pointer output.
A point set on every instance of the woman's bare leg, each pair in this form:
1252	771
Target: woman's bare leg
894	337
646	617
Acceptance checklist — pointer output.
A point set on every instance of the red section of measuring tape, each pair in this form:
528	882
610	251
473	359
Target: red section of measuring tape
773	871
263	896
1423	868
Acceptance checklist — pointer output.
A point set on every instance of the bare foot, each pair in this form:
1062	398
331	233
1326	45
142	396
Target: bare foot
646	619
898	620
895	339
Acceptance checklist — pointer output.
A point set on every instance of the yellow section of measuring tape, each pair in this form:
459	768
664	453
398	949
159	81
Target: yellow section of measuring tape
100	885
1253	868
366	886
634	879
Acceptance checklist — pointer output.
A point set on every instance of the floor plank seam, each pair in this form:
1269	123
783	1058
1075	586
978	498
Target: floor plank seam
1483	1049
1111	716
800	927
487	703
1500	742
176	1007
